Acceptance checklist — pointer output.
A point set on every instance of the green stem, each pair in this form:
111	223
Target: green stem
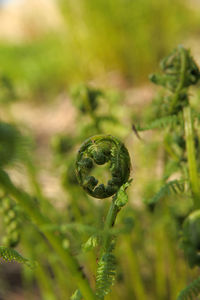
191	157
109	223
32	173
108	237
30	207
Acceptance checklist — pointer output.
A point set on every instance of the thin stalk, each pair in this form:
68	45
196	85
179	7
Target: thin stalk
45	283
30	207
108	237
32	173
109	223
133	270
191	157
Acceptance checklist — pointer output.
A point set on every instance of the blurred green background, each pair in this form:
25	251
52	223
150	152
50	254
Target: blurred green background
110	42
46	48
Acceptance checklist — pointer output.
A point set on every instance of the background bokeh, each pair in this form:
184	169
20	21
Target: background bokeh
47	48
48	45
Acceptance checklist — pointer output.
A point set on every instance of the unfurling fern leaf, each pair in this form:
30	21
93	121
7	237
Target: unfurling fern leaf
160	123
171	187
99	150
105	275
9	254
191	291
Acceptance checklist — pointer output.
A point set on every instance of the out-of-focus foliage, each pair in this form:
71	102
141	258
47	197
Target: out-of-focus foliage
123	38
100	40
127	36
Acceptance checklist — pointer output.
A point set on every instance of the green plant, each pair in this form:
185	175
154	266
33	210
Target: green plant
174	114
99	150
107	148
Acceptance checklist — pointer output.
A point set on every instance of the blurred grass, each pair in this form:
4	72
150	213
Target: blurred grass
128	36
99	37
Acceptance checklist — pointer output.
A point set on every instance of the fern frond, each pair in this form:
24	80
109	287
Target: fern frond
9	255
160	123
14	146
191	291
171	187
91	243
76	295
171	167
105	275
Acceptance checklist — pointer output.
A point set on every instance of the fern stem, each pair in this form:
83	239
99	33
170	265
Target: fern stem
192	165
30	207
109	223
105	280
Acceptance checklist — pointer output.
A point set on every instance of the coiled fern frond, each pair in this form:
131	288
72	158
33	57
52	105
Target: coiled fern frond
179	72
191	291
99	150
105	275
171	67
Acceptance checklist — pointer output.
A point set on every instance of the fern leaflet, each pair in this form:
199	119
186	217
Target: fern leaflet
160	123
105	275
191	291
171	187
76	295
9	255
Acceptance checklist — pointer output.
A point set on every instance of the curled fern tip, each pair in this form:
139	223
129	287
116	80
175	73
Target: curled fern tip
99	150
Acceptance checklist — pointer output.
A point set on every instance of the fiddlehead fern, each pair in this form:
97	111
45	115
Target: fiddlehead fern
179	71
172	67
98	150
